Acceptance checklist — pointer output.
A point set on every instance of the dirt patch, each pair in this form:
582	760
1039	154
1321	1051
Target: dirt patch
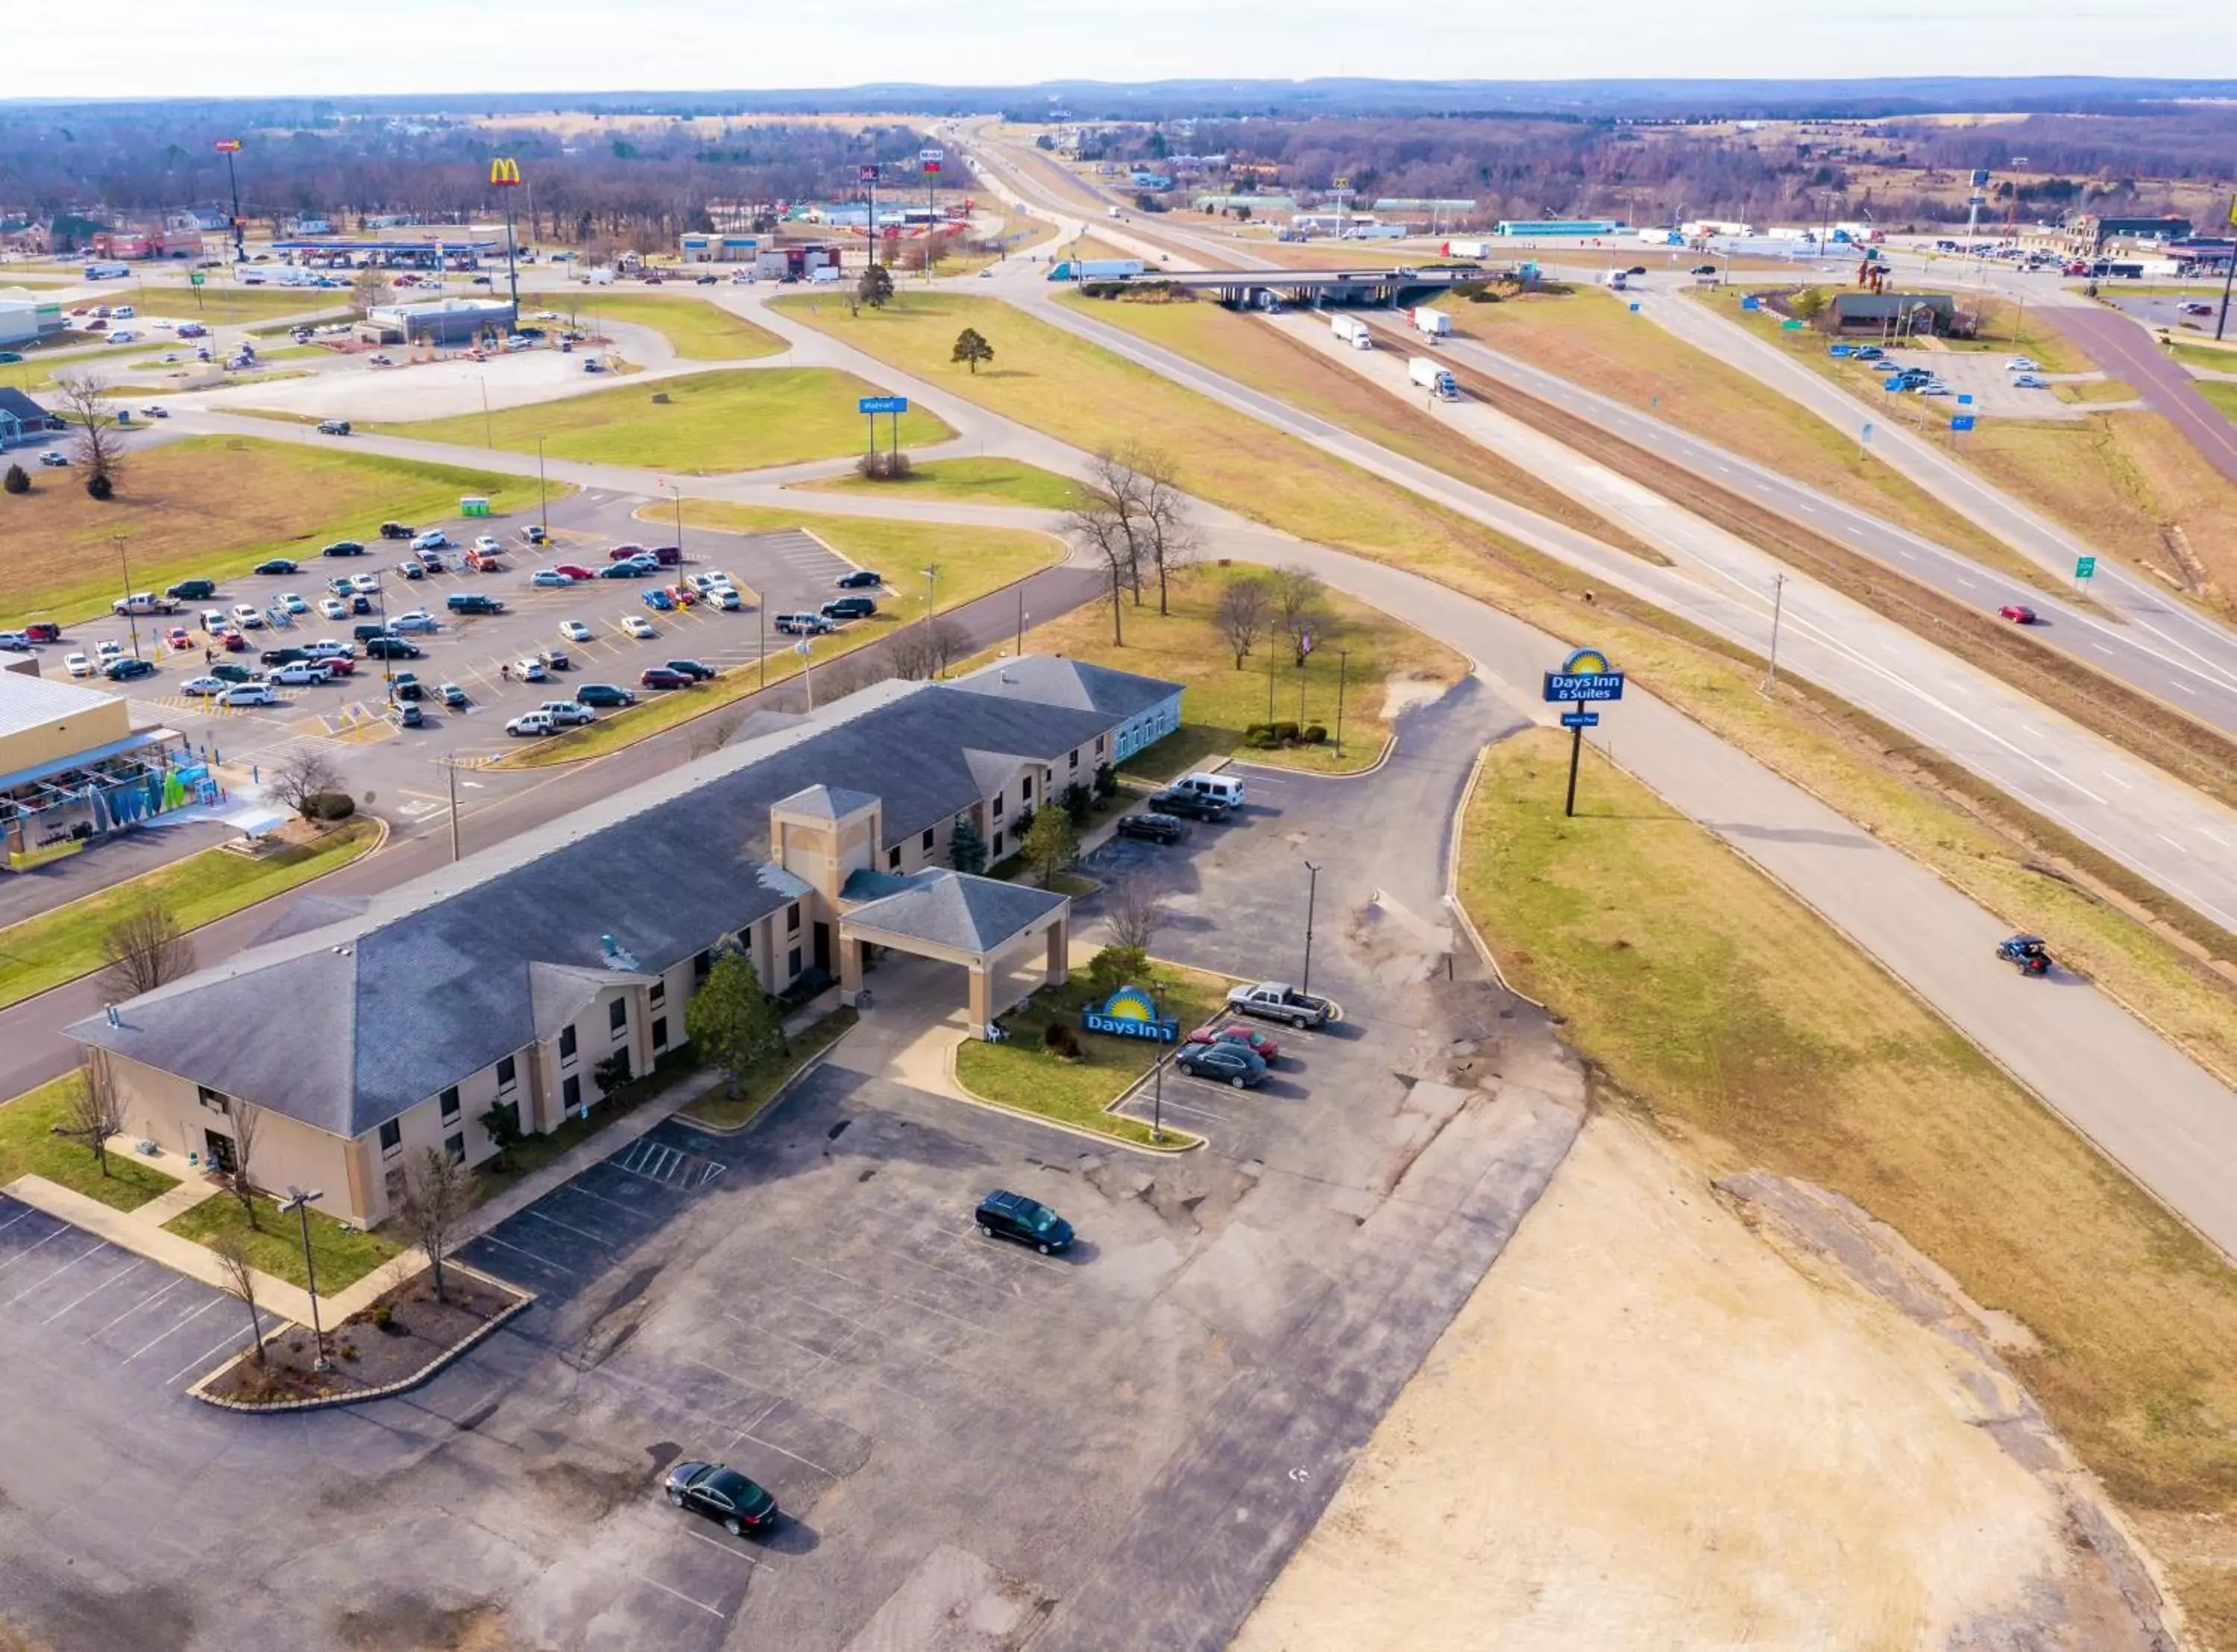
586	1491
406	1622
1403	694
1649	1428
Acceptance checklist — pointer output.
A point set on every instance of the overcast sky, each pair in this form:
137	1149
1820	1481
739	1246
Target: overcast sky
234	48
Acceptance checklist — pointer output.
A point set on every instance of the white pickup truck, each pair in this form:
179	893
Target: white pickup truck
143	603
1278	1001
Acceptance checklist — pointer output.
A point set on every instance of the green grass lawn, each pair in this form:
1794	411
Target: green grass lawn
275	1244
737	420
30	375
28	1147
216	306
1222	701
2200	355
972	561
724	1111
697	330
62	944
212	506
979	481
2222	393
1759	1036
1024	1075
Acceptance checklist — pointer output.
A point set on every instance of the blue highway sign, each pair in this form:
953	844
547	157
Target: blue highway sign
881	404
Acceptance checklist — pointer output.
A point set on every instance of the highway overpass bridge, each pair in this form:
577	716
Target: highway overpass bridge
1270	289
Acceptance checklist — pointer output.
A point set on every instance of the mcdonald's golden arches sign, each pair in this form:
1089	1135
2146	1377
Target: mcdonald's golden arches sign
504	174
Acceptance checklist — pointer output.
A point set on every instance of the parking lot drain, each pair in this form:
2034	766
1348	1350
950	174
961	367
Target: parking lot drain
838	1129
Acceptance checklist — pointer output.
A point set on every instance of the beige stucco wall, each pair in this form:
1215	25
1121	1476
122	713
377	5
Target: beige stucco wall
168	1111
101	720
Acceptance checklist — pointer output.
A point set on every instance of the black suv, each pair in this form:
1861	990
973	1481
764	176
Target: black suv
283	656
1189	806
390	648
692	669
395	530
604	694
1011	1215
1152	828
848	608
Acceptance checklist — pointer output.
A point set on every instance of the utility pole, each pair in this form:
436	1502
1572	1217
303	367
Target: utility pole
229	148
932	606
299	1201
761	616
130	618
1312	895
2229	275
451	781
869	176
1778	607
1342	665
1021	620
543	490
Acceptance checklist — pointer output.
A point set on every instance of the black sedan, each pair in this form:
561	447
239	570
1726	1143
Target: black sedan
342	548
862	579
126	668
722	1494
693	669
278	565
1153	828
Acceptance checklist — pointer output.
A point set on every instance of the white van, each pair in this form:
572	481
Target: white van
1218	789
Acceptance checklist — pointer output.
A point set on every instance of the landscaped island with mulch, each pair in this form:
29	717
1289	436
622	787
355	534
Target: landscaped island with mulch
406	1333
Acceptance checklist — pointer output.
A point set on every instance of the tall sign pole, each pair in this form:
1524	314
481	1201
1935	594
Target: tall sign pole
929	160
229	148
870	179
2221	322
505	174
1584	678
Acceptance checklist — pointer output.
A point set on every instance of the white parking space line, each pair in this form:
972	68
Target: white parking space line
891	1296
95	1292
680	1595
98	1244
733	1552
49	1239
153	1297
12	1220
533	1256
576	1187
567	1226
174	1330
201	1359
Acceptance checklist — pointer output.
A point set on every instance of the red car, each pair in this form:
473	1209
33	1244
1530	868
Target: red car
660	676
44	631
575	571
1256	1042
622	553
336	666
2017	613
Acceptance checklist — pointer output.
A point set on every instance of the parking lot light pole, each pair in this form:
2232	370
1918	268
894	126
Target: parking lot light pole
1342	665
1021	620
1312	894
1777	608
1158	1099
678	493
543	491
130	618
299	1201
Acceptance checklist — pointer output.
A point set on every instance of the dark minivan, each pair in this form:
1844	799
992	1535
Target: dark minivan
848	608
1011	1215
604	694
193	591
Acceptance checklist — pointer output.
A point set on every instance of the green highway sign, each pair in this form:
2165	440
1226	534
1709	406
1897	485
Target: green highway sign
2084	567
195	279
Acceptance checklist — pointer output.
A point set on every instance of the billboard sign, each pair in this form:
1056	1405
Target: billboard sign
1131	1013
866	175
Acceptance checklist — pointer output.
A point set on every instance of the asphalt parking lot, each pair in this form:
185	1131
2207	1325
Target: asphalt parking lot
1123	1442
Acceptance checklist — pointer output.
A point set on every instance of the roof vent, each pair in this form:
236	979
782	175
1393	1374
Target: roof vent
615	958
114	1020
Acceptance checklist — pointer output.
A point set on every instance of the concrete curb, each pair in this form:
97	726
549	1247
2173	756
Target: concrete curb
971	1098
1452	885
775	1096
523	1300
379	842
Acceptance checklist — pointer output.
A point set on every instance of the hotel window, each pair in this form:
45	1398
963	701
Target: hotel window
567	1042
392	1136
926	842
571	1093
702	967
660	1032
997	806
450	1102
508	1071
657	993
1099	741
893	859
618	1014
792	962
792	918
996	850
214	1100
1075	759
456	1147
1026	789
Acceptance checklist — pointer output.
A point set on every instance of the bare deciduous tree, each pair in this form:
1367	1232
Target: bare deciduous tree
97	438
1168	537
438	1194
246	1117
1109	521
301	775
1242	616
1300	608
1133	913
927	649
144	949
237	1277
96	1111
368	289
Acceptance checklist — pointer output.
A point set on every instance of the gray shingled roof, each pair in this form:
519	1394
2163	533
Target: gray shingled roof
347	1023
826	802
1049	679
958	910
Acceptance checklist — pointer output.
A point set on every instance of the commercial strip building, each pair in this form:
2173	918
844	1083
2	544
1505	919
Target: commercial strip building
439	321
367	1029
74	771
25	316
